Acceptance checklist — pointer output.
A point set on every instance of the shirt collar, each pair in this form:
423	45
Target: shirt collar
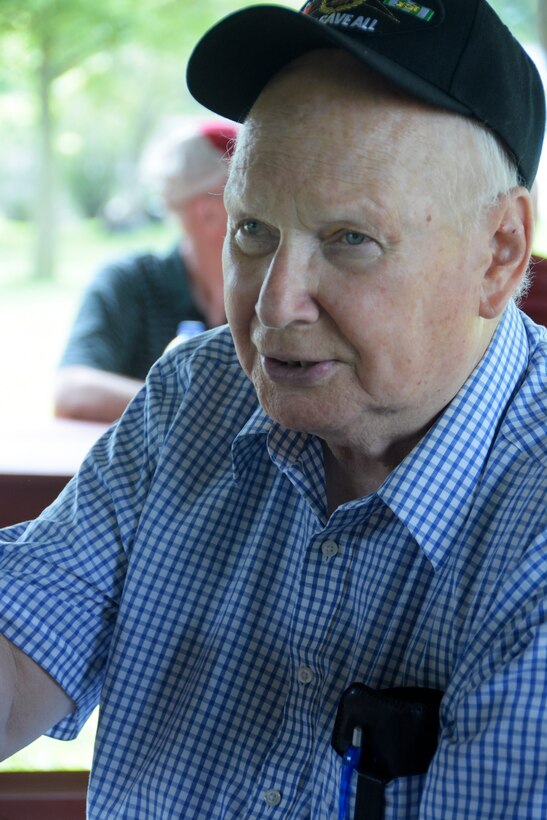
250	438
298	455
432	490
284	446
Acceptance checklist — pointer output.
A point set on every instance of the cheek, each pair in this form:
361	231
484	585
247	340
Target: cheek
395	332
228	273
448	336
240	303
241	284
373	317
234	295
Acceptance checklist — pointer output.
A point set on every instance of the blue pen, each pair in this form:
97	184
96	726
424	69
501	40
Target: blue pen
350	761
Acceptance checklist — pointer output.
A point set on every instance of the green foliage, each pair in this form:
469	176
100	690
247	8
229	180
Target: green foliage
55	49
96	79
106	117
89	181
62	33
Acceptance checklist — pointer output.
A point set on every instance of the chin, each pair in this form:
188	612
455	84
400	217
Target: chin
305	415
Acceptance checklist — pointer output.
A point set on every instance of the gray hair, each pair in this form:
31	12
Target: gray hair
493	175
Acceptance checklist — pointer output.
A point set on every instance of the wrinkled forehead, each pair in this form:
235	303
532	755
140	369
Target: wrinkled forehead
325	110
326	82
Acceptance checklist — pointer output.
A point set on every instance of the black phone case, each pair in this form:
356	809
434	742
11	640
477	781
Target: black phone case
400	730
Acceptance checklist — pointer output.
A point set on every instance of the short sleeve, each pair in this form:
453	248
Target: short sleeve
62	575
108	321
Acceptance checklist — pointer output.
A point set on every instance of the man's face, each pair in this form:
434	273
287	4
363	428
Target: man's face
353	302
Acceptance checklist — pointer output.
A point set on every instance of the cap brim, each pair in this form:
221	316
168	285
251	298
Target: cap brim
236	59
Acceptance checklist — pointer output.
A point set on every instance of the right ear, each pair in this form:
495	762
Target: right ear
511	246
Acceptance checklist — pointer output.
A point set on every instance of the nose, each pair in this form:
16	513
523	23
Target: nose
288	294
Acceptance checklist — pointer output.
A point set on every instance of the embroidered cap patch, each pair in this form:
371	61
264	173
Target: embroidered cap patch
422	12
376	16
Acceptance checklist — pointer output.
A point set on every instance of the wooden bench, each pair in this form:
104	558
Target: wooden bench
43	795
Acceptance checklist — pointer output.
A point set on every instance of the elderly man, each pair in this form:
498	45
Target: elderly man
347	486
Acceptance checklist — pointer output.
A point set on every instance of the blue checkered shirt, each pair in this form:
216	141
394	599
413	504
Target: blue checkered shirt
190	581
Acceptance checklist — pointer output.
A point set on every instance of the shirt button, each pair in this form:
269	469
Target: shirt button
305	674
272	797
329	549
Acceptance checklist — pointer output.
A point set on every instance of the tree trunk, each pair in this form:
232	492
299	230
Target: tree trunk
45	223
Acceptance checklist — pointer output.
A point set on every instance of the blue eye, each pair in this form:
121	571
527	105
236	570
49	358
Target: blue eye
254	238
354	237
251	227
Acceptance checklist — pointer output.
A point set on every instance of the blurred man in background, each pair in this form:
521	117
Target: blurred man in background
133	307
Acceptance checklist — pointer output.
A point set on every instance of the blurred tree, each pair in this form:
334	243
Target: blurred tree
53	37
520	16
46	40
542	23
109	109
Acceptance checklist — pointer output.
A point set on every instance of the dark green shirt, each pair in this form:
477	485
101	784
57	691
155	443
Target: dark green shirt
129	313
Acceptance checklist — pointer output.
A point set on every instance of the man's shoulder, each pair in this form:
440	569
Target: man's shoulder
136	269
207	360
200	386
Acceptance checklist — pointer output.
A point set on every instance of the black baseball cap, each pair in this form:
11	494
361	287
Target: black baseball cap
455	54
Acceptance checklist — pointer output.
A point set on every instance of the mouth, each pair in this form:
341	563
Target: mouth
297	363
294	372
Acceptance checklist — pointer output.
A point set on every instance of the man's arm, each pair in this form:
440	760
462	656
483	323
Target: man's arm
90	394
31	702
